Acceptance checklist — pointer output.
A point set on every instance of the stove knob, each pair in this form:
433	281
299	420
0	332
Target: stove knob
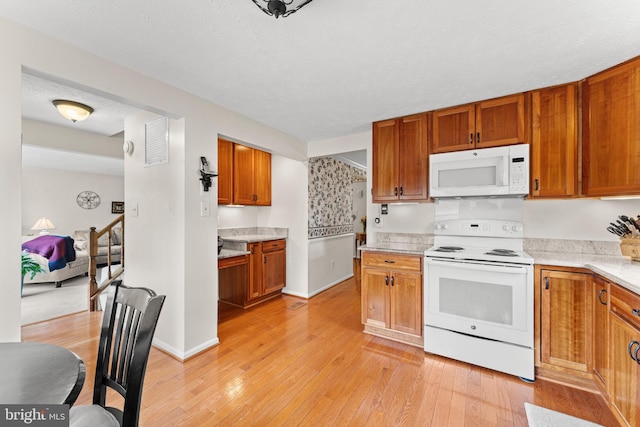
516	228
445	226
505	227
437	226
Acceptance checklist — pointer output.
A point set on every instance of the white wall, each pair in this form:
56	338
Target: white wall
289	209
52	193
188	322
580	219
330	262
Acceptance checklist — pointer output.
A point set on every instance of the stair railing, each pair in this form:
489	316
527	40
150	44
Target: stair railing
94	235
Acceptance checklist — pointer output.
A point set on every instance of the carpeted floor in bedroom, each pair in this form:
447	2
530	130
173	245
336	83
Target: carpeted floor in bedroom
43	301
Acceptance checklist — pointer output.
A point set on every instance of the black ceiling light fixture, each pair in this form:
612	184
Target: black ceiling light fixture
280	8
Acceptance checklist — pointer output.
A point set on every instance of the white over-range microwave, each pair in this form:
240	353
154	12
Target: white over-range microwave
498	171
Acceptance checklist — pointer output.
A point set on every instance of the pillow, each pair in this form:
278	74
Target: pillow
116	236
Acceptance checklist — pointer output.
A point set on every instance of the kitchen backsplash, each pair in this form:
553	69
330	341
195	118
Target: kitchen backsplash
594	247
252	231
331	197
412	238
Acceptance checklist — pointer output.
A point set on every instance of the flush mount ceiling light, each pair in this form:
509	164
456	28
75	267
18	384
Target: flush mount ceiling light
279	8
74	111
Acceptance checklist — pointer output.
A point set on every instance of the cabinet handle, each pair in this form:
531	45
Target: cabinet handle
392	279
635	312
537	184
470	138
634	356
546	283
386	283
389	261
264	258
602	291
478	138
395	191
401	191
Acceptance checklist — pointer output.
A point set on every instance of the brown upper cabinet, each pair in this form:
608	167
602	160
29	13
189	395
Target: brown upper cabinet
400	159
611	131
490	123
554	142
251	176
244	175
225	172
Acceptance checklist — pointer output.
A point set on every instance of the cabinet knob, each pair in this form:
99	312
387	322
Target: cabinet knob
392	284
386	280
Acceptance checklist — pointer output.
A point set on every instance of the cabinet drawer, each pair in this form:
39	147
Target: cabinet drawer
626	305
392	261
274	245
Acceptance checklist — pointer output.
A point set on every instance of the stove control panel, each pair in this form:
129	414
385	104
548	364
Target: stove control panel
482	228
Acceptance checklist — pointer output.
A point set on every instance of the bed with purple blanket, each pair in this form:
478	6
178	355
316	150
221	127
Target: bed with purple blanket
57	256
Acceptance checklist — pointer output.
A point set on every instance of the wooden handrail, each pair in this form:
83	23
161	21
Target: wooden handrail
94	235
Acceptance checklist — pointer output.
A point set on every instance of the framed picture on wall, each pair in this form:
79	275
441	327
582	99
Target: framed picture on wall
117	207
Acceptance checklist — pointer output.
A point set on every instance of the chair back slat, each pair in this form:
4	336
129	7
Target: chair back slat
129	322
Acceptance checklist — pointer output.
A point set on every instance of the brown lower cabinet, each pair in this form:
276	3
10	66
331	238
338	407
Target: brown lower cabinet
263	277
588	336
392	296
624	388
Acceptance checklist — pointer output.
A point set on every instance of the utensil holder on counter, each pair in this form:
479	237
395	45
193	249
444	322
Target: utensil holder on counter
630	246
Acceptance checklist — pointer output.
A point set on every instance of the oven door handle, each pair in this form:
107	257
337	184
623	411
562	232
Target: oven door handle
502	268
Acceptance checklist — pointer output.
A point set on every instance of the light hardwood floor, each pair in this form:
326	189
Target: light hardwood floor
307	362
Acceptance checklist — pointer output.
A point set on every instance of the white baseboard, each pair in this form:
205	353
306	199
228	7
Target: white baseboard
180	355
316	292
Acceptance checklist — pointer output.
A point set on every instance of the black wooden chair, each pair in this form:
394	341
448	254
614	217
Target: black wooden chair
128	324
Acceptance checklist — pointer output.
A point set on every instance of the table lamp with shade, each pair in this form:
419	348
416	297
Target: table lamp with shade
44	224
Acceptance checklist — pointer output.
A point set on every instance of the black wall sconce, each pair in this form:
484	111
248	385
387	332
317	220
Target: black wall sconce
206	174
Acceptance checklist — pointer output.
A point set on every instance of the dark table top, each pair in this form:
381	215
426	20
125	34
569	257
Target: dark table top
37	373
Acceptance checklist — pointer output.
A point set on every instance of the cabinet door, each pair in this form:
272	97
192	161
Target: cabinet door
611	132
274	271
385	149
500	122
600	294
262	177
625	371
225	172
566	314
375	297
454	129
413	158
255	270
405	302
554	142
243	192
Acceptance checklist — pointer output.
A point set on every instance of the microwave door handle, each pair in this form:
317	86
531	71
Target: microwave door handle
505	171
513	269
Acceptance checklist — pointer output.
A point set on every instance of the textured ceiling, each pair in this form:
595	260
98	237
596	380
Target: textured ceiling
335	66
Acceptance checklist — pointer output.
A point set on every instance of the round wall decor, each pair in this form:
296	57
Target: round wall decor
88	200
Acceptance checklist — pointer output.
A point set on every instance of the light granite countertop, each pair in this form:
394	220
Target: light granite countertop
616	268
230	253
251	238
396	247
